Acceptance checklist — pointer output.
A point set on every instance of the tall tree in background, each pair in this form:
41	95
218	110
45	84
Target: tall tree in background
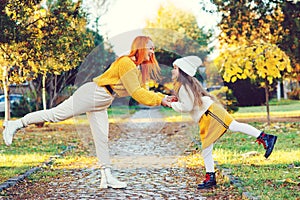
177	30
176	33
16	58
102	54
251	31
62	44
291	39
287	28
44	45
82	41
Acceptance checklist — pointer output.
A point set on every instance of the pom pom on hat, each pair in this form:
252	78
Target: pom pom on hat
188	64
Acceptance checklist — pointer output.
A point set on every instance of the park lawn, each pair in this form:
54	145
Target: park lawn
283	108
35	147
276	177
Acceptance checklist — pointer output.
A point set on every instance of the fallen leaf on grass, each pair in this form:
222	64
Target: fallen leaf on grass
288	180
250	154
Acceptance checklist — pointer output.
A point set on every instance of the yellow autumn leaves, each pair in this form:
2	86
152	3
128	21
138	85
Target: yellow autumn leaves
250	51
258	61
46	41
176	29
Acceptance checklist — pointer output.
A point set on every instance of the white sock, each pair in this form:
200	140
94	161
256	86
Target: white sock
244	128
208	158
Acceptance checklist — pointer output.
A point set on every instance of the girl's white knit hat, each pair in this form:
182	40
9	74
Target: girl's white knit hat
188	64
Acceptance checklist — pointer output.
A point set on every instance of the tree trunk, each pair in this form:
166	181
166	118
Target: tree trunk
267	102
44	92
6	94
52	91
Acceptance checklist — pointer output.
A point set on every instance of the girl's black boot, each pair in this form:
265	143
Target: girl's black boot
210	181
268	141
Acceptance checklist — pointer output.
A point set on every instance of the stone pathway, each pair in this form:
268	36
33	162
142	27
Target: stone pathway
144	144
143	183
147	160
144	157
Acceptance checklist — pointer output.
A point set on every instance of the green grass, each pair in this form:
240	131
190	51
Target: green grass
35	147
121	110
275	106
277	177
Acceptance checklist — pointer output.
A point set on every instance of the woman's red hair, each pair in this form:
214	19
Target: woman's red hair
149	69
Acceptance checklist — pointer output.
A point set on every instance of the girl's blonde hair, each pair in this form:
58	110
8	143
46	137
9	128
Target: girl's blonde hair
149	69
197	90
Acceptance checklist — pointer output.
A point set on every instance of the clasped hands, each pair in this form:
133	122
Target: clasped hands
168	100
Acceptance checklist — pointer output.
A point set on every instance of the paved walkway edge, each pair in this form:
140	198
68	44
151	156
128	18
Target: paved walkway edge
13	181
226	173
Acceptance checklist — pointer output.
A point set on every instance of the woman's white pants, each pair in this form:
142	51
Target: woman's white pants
90	99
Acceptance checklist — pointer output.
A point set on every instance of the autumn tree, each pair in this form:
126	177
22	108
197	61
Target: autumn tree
177	31
291	39
63	42
54	40
250	33
68	20
15	57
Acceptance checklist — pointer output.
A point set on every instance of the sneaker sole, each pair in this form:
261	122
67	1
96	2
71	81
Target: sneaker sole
209	187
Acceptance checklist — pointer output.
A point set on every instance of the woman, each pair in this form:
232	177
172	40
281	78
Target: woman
126	76
212	118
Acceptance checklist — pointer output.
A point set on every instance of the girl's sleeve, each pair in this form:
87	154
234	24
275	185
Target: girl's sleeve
129	77
185	101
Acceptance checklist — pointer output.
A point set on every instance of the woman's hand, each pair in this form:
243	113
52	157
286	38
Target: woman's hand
166	102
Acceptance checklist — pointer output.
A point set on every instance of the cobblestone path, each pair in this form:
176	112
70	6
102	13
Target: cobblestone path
145	157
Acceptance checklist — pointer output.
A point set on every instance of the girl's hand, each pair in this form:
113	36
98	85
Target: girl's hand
172	98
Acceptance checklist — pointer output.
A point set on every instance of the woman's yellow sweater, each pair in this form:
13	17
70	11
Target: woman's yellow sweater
126	80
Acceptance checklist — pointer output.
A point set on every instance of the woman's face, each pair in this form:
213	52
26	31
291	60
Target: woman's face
149	50
175	72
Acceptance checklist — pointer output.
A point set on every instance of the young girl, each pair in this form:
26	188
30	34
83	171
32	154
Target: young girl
212	118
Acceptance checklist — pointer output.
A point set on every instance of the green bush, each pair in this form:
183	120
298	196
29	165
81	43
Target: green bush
19	109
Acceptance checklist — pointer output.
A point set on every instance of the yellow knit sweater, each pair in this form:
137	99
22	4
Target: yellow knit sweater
126	80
